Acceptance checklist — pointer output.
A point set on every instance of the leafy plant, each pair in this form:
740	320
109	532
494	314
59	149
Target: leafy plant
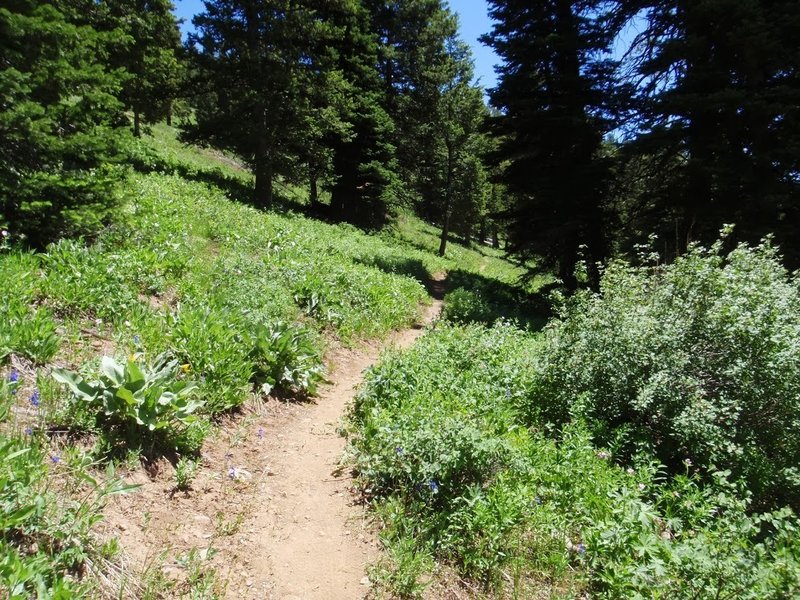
698	359
154	397
185	472
45	538
464	306
286	357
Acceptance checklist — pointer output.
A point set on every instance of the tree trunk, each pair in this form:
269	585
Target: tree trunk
263	195
313	190
445	230
482	231
137	126
495	238
447	193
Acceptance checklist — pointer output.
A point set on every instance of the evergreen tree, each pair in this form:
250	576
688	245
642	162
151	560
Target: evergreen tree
59	115
150	57
717	135
258	71
552	95
364	166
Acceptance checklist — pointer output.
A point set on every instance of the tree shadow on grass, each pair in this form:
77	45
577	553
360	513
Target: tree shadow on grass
501	300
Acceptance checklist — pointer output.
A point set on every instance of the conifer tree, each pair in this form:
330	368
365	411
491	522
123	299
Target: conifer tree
59	123
257	71
551	98
717	133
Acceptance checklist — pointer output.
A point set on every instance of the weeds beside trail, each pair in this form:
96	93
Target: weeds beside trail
642	446
168	335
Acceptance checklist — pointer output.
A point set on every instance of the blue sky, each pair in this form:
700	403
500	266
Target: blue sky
472	16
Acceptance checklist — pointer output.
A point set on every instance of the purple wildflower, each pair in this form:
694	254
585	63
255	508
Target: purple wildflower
260	432
55	458
399	450
13	377
35	400
434	486
581	549
28	431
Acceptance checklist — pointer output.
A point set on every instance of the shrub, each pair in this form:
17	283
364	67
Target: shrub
463	306
699	359
457	469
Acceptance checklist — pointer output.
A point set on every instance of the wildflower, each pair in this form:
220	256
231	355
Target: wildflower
603	455
35	398
399	451
687	462
13	377
4	233
434	486
136	341
232	472
581	548
630	471
641	487
186	368
538	501
28	431
260	432
55	458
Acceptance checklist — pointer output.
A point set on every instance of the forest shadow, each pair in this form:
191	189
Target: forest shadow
410	267
501	300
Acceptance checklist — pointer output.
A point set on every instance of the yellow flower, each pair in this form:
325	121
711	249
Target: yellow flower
186	368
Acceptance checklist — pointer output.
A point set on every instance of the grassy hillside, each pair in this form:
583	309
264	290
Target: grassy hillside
188	305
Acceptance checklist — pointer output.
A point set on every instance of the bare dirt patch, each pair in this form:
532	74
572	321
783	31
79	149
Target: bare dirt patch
269	511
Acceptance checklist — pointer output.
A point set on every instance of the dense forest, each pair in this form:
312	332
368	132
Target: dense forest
195	228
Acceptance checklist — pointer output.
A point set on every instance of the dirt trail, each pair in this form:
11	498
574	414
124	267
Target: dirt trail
267	514
312	541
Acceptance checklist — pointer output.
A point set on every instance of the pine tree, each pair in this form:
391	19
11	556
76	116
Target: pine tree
258	72
551	98
363	155
150	56
59	118
718	130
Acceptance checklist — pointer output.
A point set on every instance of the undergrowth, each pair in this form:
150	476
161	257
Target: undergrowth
642	446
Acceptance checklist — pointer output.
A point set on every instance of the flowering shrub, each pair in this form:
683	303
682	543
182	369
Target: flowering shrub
699	359
458	467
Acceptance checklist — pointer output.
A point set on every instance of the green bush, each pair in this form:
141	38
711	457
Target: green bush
696	360
447	451
463	306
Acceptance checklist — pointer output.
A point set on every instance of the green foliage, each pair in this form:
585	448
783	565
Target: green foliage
153	397
698	359
209	342
45	538
464	306
185	472
458	468
287	357
25	328
59	121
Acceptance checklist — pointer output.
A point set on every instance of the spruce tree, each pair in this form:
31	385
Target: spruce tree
59	119
550	95
257	73
717	133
